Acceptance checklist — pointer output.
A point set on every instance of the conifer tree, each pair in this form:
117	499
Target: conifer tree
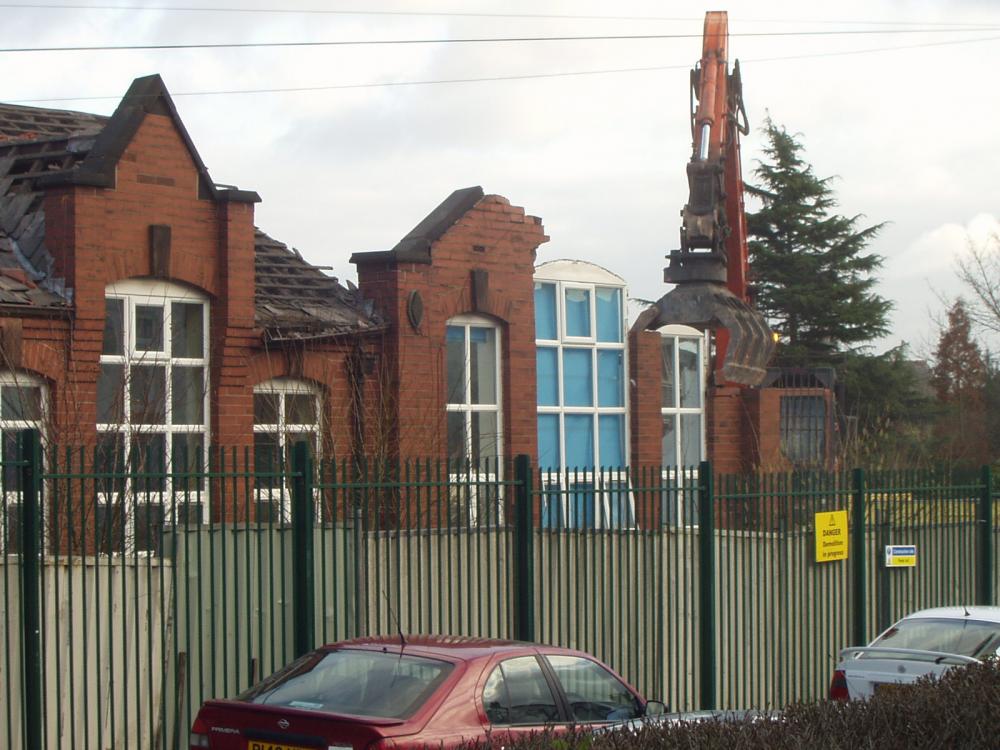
814	277
959	378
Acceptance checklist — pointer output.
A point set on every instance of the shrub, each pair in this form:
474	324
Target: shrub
961	710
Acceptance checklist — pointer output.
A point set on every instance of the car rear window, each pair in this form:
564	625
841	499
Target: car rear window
953	636
353	682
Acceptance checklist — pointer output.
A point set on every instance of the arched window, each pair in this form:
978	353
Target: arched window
474	416
152	412
285	411
22	407
581	366
682	408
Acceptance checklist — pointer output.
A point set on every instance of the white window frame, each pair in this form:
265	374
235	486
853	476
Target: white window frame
472	478
12	498
284	387
684	478
606	480
156	293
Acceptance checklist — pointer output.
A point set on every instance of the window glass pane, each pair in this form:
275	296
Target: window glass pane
148	462
187	461
578	380
110	394
547	375
528	696
483	362
612	439
495	695
300	408
579	441
620	510
577	312
609	314
148	527
581	506
23	402
610	378
668	389
267	465
148	328
11	471
186	330
593	693
690	365
265	408
545	312
114	327
552	507
109	463
187	395
293	438
148	394
455	364
548	441
109	528
803	428
669	440
350	682
690	439
456	438
485	439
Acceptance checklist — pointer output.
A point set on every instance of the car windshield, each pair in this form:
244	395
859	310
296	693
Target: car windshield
354	682
953	636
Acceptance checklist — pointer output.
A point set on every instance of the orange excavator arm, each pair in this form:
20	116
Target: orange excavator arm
710	269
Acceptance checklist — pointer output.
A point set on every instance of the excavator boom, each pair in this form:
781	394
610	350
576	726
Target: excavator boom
710	269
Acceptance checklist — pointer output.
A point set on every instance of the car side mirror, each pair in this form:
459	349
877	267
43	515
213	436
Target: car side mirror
655	708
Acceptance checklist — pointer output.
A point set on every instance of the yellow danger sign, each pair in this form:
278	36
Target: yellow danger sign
831	536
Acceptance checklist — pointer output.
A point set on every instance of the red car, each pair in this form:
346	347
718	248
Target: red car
435	691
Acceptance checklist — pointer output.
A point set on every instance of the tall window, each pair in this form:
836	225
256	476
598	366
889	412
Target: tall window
682	404
285	412
582	394
152	413
803	429
22	406
474	416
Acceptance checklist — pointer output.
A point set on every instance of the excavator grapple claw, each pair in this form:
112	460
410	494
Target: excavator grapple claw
709	306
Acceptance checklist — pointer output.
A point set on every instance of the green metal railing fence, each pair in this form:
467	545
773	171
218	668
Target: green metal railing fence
132	593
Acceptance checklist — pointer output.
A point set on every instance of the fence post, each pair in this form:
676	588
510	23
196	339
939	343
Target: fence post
524	554
29	452
859	595
984	544
706	581
303	590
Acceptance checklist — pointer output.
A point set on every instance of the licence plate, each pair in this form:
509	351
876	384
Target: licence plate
256	745
882	688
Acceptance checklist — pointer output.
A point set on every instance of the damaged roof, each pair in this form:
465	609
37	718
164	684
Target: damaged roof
35	143
415	247
44	147
296	300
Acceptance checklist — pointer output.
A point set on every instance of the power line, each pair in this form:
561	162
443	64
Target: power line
521	77
451	14
474	40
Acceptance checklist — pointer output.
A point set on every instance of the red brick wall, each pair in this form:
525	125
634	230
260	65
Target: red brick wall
415	358
646	423
727	438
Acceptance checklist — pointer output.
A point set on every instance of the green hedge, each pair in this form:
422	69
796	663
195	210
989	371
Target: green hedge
961	710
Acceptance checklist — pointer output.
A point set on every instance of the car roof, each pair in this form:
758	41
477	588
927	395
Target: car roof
451	646
988	614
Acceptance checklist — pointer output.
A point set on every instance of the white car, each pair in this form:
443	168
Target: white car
930	641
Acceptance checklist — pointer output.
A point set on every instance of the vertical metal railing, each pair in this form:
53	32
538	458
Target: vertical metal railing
123	613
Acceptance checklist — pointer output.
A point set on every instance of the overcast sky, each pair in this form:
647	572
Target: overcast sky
906	121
